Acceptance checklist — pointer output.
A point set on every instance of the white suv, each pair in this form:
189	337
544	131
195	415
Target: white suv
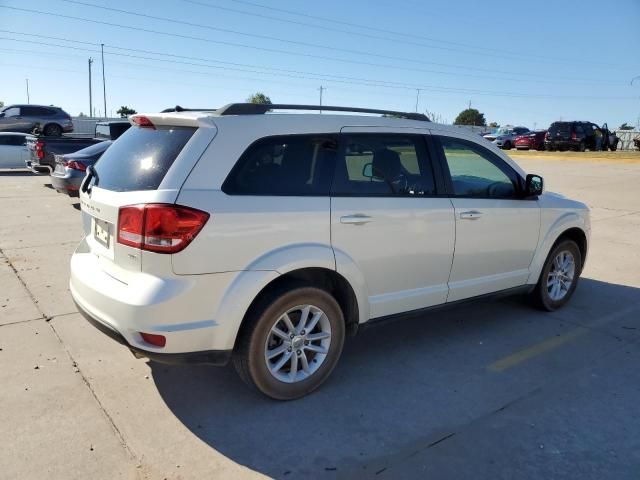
265	238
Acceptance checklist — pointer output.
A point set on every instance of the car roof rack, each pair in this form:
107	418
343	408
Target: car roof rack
258	108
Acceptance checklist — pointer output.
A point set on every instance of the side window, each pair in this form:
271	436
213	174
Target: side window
477	172
383	164
16	140
299	165
12	112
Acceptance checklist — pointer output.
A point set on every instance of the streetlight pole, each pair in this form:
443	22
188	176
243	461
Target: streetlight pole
104	85
27	82
417	98
90	92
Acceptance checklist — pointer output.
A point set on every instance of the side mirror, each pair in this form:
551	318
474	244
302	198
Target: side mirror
367	170
533	185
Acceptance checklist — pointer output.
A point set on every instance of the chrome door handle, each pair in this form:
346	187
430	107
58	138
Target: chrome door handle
471	215
356	219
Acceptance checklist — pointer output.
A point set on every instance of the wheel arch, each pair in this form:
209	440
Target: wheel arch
570	227
320	277
44	126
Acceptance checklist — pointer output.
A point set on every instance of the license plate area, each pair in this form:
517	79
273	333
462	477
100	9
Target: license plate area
102	232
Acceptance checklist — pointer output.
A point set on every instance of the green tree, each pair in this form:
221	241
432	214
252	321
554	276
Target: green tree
124	111
259	98
1	104
494	125
625	126
470	116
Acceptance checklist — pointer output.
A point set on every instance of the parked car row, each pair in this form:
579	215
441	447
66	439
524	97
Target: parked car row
575	135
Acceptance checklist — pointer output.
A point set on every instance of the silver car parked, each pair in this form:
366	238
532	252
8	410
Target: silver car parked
49	120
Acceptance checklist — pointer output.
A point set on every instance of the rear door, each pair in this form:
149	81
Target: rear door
387	217
146	165
496	228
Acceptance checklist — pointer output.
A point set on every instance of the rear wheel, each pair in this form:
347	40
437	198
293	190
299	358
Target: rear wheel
291	344
582	147
507	145
559	276
52	130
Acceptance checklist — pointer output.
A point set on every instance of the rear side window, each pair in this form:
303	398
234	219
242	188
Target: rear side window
140	158
383	165
299	165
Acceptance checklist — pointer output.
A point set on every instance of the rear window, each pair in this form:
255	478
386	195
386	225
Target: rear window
140	158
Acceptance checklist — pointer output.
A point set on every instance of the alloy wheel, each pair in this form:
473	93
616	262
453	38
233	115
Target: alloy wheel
561	275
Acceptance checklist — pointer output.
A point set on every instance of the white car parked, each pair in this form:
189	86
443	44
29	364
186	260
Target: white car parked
13	150
266	238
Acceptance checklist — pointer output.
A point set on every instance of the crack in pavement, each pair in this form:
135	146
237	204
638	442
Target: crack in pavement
110	420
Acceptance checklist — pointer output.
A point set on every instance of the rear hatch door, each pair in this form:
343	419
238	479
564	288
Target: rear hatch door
145	165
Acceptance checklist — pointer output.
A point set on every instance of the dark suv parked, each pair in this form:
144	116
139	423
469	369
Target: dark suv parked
578	136
51	121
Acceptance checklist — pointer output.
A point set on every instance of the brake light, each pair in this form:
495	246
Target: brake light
154	339
574	136
39	149
75	165
142	121
159	227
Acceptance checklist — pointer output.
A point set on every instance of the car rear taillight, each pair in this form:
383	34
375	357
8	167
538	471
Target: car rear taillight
159	227
39	149
546	136
574	136
154	339
75	165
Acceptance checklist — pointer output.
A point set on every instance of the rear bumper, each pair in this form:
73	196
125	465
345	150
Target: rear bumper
209	357
182	308
67	184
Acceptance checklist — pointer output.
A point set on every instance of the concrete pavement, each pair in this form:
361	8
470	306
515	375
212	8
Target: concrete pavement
491	390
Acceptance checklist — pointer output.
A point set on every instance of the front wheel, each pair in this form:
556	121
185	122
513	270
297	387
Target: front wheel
291	344
559	276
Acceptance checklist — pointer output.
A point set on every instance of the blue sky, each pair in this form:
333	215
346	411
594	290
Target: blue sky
527	63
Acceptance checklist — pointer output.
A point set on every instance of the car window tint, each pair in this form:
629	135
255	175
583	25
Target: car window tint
12	112
475	171
140	158
383	164
299	165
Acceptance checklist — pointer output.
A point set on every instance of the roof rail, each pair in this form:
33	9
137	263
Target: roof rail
257	108
178	108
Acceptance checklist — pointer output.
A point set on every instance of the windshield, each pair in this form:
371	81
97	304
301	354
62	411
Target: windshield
503	131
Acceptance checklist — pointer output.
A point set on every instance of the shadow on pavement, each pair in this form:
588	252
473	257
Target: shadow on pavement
16	173
395	384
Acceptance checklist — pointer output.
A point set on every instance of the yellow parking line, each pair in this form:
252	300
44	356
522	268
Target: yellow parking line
537	349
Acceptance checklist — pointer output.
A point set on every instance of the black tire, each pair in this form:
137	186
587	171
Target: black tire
540	295
507	146
613	148
249	356
581	147
551	148
52	130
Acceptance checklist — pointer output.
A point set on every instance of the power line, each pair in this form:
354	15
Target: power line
314	76
477	51
263	37
334	20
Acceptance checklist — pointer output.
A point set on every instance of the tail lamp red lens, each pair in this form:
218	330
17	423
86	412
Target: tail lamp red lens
39	149
158	227
154	339
142	121
573	136
75	165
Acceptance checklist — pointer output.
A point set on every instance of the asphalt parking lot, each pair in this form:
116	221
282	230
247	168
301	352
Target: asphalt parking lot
491	390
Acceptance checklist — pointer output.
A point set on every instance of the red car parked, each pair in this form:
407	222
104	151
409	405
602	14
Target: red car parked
531	140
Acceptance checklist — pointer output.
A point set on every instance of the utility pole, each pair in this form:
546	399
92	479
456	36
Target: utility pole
322	89
417	98
104	85
27	81
90	92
